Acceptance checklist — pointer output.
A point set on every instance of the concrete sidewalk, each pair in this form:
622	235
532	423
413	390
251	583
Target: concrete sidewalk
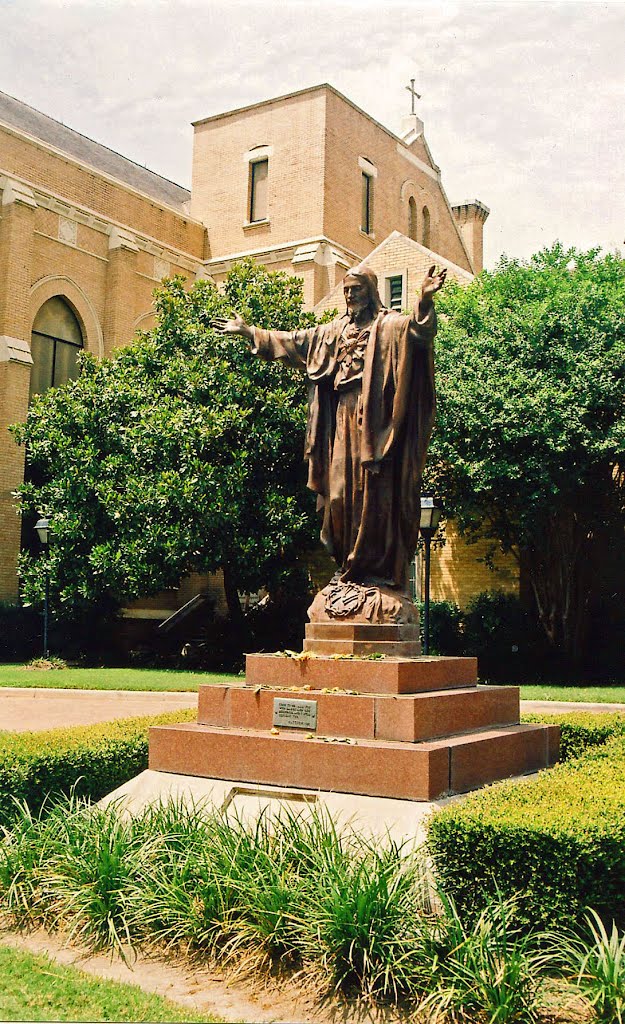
25	710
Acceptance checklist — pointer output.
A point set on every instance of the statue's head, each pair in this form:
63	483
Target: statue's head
360	288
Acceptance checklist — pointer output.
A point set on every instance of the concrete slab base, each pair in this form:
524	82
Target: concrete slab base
403	820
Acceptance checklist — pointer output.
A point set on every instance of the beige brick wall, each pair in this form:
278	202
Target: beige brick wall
58	225
78	184
314	142
350	134
458	573
14	385
294	130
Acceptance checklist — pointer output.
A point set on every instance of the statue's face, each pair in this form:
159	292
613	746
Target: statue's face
356	295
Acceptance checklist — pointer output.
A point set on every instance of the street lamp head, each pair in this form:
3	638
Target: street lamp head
430	516
42	526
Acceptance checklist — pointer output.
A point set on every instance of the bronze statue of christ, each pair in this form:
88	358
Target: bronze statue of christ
370	415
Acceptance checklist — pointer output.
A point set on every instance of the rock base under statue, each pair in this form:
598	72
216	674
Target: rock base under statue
357	712
369	604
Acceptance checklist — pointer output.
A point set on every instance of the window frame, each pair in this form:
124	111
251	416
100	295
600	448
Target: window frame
254	165
369	173
394	275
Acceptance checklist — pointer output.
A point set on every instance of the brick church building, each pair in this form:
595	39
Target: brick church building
306	183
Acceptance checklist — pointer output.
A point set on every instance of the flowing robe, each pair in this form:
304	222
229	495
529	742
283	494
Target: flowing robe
366	437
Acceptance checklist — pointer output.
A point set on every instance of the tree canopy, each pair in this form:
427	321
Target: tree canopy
182	452
529	448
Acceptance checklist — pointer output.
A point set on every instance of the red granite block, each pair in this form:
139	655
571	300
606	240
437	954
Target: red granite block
389	648
214	705
497	754
407	771
360	631
402	771
416	717
338	714
389	675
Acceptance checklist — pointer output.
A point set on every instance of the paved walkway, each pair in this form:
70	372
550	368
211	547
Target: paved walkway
561	707
23	710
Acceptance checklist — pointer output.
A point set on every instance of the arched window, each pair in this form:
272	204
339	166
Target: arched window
55	343
412	219
425	229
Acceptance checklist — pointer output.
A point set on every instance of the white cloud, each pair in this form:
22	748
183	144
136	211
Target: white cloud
522	102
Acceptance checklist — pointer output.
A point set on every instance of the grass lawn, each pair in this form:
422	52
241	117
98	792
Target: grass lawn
584	694
174	680
110	678
35	988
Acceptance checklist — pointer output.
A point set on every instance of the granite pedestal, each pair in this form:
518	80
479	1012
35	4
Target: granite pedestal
359	711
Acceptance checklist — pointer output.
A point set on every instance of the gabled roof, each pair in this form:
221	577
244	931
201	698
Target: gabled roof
397	251
39	126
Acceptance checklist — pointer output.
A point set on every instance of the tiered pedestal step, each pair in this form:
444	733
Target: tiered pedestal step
360	639
409	727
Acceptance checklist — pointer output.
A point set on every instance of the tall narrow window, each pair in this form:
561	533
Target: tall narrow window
366	219
259	173
425	230
412	219
56	341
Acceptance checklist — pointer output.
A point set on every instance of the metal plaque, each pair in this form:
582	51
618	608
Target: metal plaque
295	714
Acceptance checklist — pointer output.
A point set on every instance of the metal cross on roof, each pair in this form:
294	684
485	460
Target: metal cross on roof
413	94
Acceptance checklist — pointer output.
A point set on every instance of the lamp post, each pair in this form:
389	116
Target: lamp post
42	526
428	525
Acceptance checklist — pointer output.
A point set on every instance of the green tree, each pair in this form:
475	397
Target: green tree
530	439
181	452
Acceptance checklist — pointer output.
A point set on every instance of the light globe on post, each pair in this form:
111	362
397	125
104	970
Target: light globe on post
42	527
428	525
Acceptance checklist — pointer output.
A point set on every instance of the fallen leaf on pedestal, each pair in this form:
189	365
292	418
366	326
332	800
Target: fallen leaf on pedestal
275	732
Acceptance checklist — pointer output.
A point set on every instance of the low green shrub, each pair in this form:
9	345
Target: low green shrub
446	623
505	639
89	760
581	730
20	632
557	841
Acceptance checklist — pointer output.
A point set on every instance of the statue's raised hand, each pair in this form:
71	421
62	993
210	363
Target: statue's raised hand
432	283
236	325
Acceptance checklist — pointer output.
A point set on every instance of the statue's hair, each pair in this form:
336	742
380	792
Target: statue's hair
370	279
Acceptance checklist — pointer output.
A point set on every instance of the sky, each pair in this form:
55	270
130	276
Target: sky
523	102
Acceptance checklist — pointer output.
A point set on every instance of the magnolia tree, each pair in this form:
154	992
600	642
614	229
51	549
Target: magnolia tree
529	446
182	452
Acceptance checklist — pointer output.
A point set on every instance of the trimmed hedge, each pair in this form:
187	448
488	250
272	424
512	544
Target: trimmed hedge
556	841
581	730
92	760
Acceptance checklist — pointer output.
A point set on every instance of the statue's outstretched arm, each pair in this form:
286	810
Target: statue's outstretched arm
289	346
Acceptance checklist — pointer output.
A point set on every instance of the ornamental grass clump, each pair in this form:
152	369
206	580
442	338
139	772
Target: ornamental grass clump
594	963
25	851
94	875
488	971
362	928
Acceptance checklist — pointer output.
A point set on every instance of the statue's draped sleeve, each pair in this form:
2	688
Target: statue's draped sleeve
310	350
313	352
